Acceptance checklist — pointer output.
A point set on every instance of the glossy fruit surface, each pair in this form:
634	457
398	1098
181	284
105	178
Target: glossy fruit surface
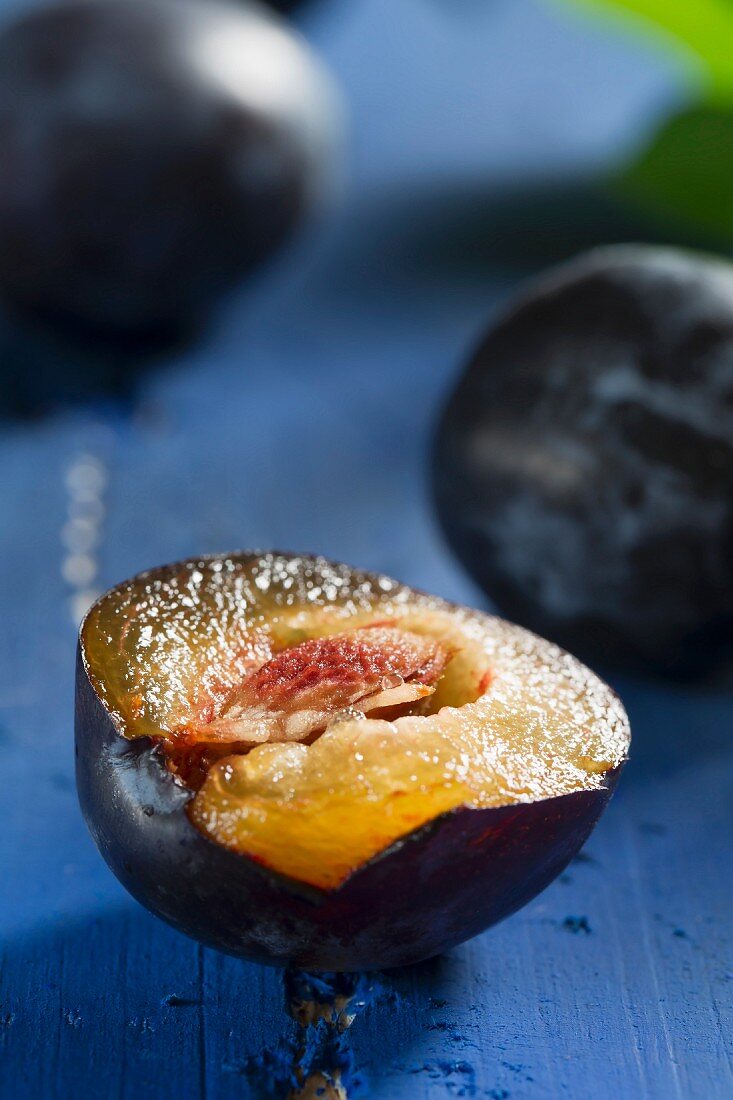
152	153
296	761
583	468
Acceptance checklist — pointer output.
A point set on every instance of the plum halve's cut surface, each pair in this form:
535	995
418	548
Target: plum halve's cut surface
307	736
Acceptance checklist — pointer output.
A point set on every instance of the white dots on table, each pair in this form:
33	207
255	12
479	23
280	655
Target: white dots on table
85	480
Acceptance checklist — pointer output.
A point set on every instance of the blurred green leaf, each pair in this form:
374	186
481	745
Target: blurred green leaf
705	27
686	174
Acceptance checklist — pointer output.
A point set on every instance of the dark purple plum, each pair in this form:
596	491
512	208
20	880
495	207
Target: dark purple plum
152	153
583	467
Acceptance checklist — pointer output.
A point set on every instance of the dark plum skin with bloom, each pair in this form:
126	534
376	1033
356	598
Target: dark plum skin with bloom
152	154
583	466
447	880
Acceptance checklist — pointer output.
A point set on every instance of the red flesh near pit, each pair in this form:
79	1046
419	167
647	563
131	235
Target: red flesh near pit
293	696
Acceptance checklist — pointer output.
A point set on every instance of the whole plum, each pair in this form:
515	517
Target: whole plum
153	152
583	467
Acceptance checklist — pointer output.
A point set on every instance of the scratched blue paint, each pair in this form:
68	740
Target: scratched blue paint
302	422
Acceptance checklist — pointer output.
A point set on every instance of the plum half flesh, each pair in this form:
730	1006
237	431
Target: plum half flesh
296	761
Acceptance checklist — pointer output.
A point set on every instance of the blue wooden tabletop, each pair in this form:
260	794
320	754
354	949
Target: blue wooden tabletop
301	422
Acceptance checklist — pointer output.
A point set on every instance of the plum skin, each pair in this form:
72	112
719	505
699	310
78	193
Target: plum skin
162	170
449	880
583	465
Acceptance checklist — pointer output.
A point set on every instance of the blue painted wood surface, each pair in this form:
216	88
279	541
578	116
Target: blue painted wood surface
302	422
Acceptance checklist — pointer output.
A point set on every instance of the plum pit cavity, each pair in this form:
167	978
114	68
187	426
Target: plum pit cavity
295	694
377	670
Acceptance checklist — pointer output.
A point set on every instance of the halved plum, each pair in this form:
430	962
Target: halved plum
296	761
